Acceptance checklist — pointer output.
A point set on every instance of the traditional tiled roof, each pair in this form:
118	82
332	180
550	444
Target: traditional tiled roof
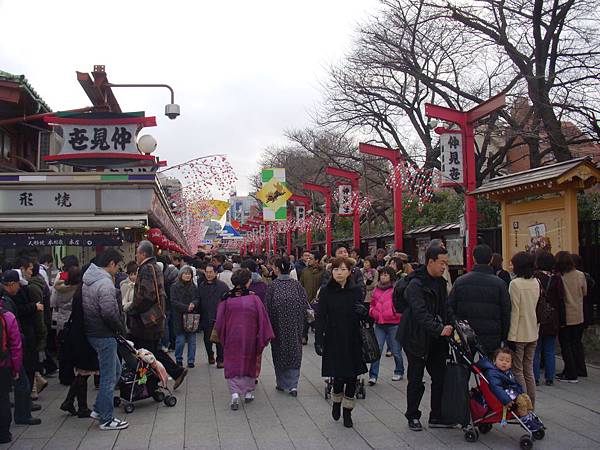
531	178
24	84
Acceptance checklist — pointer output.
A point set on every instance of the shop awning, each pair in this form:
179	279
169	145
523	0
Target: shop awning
68	222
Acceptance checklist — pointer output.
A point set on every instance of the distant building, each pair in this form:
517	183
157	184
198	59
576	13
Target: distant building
241	208
23	142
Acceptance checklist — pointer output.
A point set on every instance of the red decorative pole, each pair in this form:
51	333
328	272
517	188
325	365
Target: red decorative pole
288	238
394	157
353	177
327	194
466	121
274	230
307	206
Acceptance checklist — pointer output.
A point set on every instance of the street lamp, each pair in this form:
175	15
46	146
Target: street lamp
172	110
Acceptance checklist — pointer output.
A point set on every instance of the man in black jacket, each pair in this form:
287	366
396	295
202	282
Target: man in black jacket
481	298
422	333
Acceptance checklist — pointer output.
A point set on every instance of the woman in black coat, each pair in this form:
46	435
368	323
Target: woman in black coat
337	336
79	354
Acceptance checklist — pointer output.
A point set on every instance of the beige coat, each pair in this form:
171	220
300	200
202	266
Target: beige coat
575	289
524	295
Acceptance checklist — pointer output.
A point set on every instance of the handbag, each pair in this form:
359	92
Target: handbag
544	311
370	346
190	322
155	315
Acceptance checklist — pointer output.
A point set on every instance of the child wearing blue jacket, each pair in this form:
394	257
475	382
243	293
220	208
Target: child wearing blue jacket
503	383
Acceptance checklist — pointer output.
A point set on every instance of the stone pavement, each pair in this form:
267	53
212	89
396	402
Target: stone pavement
202	418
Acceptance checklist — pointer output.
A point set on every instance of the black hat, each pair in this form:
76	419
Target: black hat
10	276
69	261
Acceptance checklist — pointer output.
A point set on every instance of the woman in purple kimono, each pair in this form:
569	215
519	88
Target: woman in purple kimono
244	330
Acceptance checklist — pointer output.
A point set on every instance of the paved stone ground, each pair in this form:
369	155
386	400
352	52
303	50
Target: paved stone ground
202	418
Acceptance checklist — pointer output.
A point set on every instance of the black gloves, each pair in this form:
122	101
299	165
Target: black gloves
319	349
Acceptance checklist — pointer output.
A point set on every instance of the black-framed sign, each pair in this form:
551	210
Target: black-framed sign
55	240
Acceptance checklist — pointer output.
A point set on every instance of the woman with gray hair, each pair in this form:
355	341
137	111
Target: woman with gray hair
184	301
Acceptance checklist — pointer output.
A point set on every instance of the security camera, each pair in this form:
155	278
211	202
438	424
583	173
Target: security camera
172	111
432	123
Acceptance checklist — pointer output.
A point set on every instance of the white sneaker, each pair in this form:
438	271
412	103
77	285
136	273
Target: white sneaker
235	402
396	377
248	397
114	424
372	381
94	415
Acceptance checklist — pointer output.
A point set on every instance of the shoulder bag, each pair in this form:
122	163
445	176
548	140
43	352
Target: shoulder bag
370	346
155	315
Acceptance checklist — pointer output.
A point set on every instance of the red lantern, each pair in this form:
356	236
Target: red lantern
154	235
172	246
163	242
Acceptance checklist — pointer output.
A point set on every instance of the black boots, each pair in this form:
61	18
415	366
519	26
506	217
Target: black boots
348	405
77	390
348	418
336	411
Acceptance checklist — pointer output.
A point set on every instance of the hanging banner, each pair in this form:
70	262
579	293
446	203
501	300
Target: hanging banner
451	149
345	200
219	207
300	213
274	194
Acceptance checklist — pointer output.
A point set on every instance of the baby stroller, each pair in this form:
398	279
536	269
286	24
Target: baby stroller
361	392
142	377
485	408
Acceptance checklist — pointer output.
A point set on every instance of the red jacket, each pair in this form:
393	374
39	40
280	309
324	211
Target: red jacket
14	345
382	307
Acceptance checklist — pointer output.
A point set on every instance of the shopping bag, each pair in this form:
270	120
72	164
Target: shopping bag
370	346
455	398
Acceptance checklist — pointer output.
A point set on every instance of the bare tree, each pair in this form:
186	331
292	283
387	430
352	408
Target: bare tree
554	46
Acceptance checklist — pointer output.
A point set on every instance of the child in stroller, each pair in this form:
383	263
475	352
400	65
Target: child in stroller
497	398
506	389
143	376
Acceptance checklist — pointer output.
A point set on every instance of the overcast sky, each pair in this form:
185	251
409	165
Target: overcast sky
242	71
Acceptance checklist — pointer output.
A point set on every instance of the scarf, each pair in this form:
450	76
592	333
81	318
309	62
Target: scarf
384	286
185	289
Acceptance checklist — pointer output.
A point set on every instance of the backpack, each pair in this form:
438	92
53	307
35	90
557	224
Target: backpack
399	300
544	311
4	347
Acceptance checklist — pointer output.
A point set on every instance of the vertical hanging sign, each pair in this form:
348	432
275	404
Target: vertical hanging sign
345	200
451	155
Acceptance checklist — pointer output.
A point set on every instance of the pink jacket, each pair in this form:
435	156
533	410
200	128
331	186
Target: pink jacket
14	345
382	307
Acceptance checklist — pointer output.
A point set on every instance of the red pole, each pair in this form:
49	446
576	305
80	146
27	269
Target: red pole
470	201
356	226
268	239
466	120
288	235
274	228
397	191
308	238
394	157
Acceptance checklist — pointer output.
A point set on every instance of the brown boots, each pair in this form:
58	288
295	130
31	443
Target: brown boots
347	404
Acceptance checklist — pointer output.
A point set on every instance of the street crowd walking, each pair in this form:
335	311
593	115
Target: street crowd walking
76	322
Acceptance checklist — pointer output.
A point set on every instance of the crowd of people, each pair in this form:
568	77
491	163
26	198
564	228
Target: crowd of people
66	323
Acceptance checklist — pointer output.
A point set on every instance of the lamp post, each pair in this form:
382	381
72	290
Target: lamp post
394	157
466	121
307	206
353	177
327	194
